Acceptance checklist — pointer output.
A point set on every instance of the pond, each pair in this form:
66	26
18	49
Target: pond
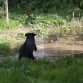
58	48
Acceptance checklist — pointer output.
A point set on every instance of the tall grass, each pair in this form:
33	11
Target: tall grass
12	24
67	70
9	43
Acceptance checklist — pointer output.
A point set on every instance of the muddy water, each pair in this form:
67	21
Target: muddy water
40	47
56	49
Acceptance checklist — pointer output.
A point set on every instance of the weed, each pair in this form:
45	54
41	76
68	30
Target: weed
42	70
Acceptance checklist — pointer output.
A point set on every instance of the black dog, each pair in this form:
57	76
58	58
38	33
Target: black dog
26	50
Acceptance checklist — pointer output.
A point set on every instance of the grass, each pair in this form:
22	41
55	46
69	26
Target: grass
12	25
9	43
66	70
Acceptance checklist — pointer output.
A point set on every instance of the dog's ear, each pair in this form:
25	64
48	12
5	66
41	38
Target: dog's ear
34	34
26	34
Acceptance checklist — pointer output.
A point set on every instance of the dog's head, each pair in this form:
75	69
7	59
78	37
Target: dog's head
30	34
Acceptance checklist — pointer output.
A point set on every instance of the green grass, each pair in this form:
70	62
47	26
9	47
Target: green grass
12	25
67	70
10	43
5	46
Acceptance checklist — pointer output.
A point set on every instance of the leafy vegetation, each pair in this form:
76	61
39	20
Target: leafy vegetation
66	70
12	25
62	14
8	44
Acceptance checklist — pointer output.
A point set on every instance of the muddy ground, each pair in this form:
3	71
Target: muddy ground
50	47
64	46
